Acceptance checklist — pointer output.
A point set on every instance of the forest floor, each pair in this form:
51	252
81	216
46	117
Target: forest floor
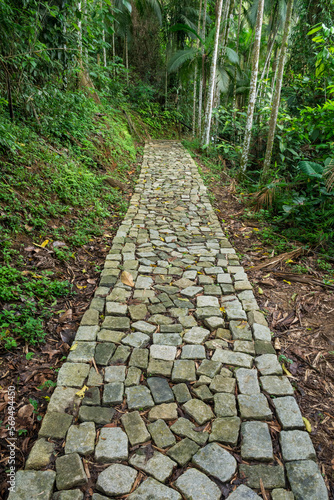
299	311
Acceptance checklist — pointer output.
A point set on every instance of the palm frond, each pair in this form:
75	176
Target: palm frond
232	56
223	80
329	172
180	57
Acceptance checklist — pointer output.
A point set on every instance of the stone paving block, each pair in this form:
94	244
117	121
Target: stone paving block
174	339
225	430
87	333
254	407
152	489
193	351
133	376
40	454
138	398
83	353
33	484
139	358
262	347
261	332
104	352
209	368
222	384
216	462
195	485
183	451
203	392
121	355
64	400
240	330
196	335
161	434
198	410
114	373
116	309
135	428
183	371
268	364
181	393
136	339
165	352
160	367
256	317
70	472
113	394
81	439
277	386
296	445
97	414
244	346
159	466
119	323
306	481
288	413
213	323
280	494
160	390
143	326
117	479
233	358
184	428
110	336
92	397
90	318
256	442
112	445
165	411
55	425
272	476
225	405
247	381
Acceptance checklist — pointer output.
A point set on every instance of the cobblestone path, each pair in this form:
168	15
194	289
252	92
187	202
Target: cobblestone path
186	396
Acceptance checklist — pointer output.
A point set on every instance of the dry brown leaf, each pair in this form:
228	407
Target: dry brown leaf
127	278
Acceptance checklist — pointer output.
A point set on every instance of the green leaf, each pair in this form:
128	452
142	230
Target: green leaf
314	30
180	57
311	169
232	56
184	27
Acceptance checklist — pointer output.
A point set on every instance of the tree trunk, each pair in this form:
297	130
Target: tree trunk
278	87
127	59
209	104
235	71
103	40
196	72
202	80
252	90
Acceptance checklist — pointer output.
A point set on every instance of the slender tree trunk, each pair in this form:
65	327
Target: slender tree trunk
80	32
252	90
196	72
202	80
127	59
209	104
278	88
273	81
103	40
85	30
235	72
267	63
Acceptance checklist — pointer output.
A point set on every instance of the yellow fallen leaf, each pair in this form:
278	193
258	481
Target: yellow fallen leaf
222	309
289	261
162	239
127	278
74	346
82	391
80	287
308	425
260	291
45	242
286	371
288	282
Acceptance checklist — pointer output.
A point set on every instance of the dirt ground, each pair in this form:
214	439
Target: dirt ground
300	314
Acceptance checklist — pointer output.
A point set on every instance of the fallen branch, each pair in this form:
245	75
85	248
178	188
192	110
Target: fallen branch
310	280
279	259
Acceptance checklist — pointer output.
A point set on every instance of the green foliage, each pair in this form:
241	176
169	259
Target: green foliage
28	300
